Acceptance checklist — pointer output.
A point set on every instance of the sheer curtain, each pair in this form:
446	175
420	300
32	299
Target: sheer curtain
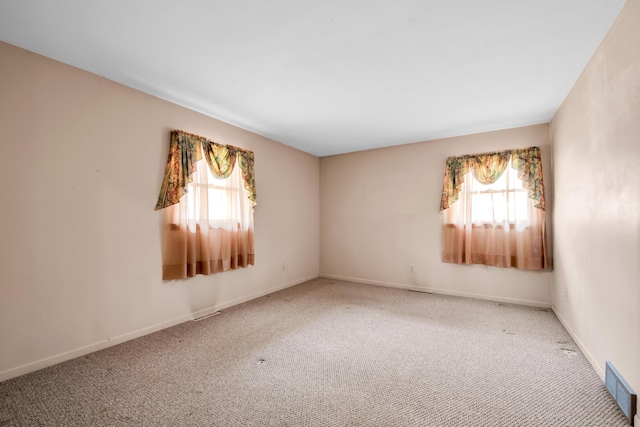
493	210
209	228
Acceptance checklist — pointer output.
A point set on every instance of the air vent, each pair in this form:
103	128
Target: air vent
621	391
206	316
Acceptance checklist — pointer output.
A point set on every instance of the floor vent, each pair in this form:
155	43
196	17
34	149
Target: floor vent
621	391
206	316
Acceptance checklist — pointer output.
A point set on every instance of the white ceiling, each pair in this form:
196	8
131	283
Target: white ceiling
330	76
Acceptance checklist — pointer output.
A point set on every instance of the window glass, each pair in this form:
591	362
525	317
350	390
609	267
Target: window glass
504	201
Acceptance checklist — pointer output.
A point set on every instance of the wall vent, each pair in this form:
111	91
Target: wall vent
621	391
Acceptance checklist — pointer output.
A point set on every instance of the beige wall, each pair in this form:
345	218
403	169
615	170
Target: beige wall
380	213
80	253
596	157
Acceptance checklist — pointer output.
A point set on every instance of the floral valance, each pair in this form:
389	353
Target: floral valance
186	149
488	167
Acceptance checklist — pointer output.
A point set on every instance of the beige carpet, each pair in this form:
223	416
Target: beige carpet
329	353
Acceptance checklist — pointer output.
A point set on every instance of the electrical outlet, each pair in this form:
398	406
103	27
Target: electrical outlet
566	293
411	268
284	267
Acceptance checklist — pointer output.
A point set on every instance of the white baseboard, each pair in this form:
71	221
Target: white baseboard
540	304
109	342
583	348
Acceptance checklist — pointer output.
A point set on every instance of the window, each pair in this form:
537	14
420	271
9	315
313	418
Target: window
504	201
221	203
493	210
208	196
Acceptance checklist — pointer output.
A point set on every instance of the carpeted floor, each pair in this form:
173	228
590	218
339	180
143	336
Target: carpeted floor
329	353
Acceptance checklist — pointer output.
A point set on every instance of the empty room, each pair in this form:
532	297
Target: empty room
338	213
